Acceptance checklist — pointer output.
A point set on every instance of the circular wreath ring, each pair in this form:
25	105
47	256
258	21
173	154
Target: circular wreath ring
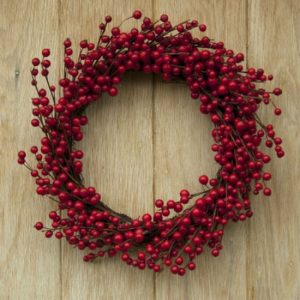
228	94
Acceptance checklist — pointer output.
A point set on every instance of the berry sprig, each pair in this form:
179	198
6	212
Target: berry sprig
228	94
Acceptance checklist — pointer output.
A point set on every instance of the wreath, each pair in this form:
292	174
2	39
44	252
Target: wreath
229	95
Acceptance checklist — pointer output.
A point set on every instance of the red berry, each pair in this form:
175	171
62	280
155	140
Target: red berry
203	179
67	43
108	19
222	90
83	44
267	176
113	91
35	122
46	52
21	154
48	234
202	27
267	192
159	203
277	91
115	31
191	266
137	14
277	111
35	61
58	235
39	225
174	269
164	18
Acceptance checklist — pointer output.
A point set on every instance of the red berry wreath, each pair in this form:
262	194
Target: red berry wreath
228	94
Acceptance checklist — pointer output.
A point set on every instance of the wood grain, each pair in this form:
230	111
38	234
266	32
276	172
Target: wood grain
273	255
182	154
118	161
27	271
147	143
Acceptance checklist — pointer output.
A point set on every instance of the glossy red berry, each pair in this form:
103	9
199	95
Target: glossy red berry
21	154
35	61
48	233
203	179
46	52
202	27
39	225
113	91
277	91
137	14
108	19
277	111
267	192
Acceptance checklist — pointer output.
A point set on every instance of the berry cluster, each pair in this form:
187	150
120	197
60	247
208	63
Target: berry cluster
179	230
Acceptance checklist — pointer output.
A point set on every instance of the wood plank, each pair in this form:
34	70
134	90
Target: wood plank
118	160
30	264
260	259
273	257
182	153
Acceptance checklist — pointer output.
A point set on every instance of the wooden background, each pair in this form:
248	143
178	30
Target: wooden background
147	143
